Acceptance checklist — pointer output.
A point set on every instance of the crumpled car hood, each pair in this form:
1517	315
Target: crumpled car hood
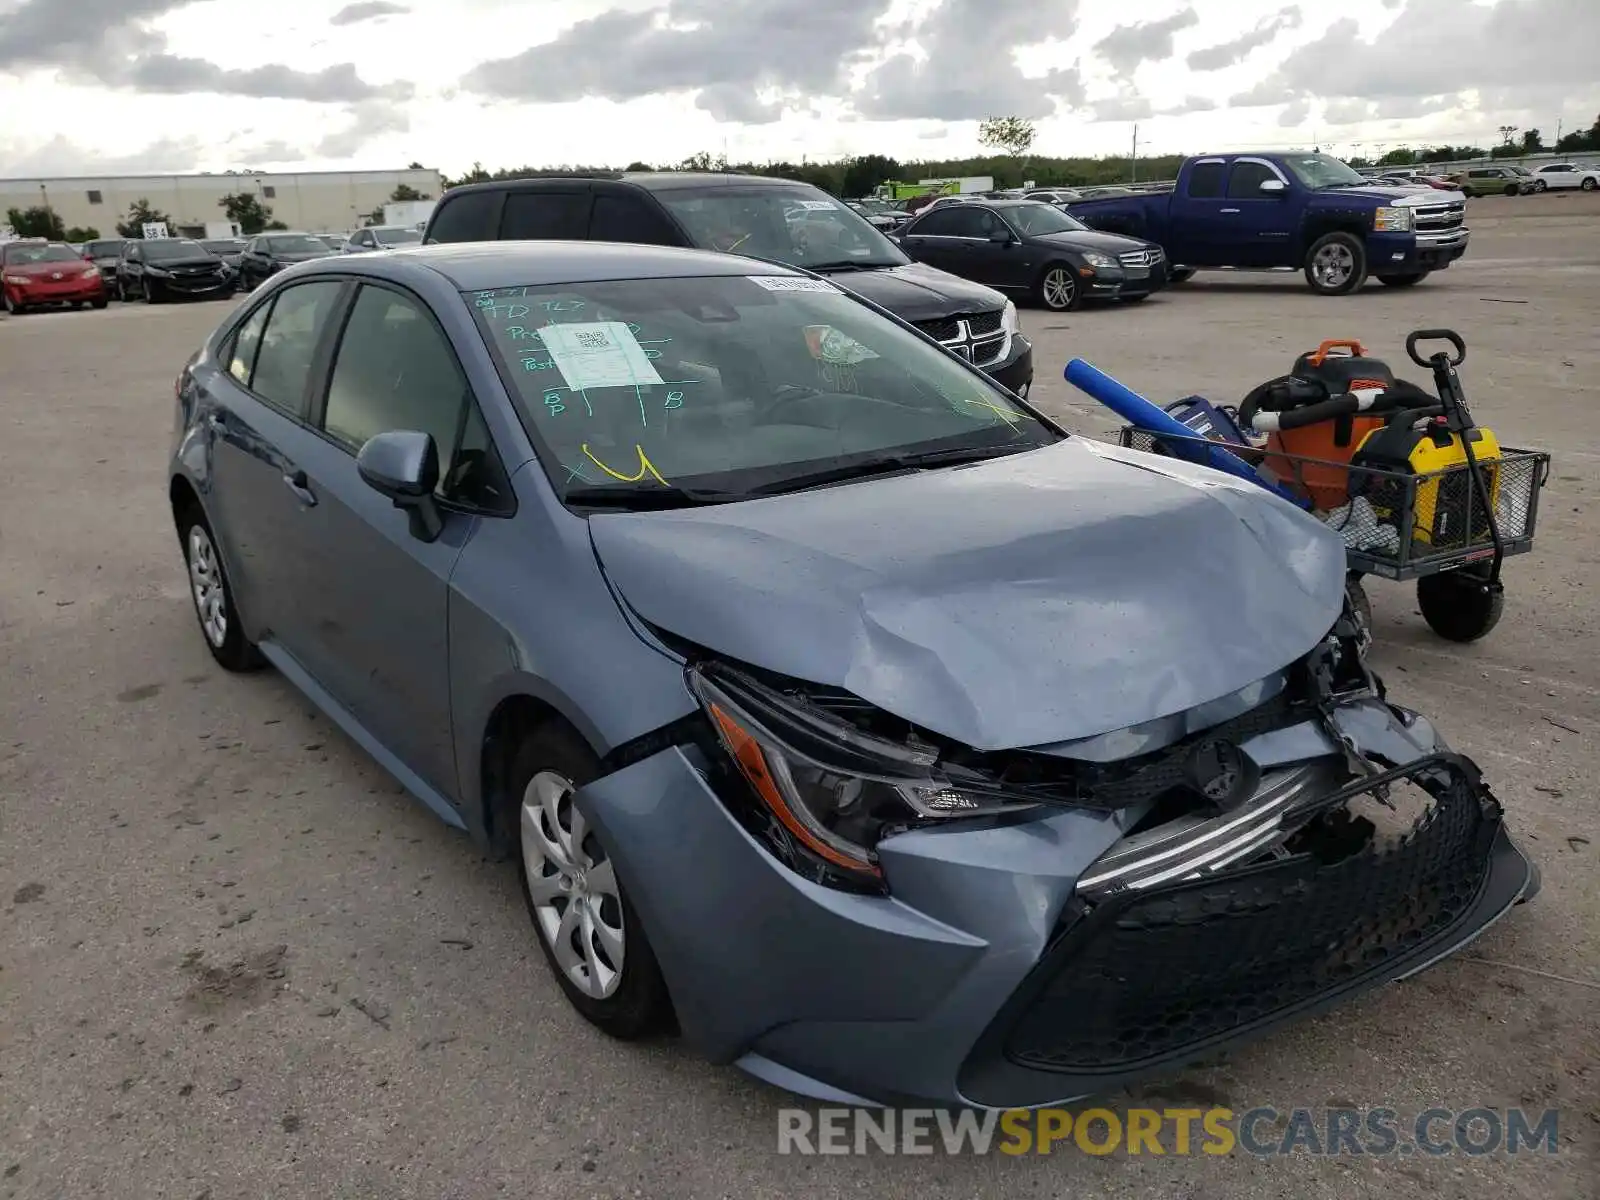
1039	598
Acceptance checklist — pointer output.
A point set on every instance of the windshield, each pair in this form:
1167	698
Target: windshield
1031	220
298	244
731	384
397	236
223	247
176	248
1319	171
104	249
799	225
41	253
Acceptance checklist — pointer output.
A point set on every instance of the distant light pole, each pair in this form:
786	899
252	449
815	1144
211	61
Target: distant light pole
44	195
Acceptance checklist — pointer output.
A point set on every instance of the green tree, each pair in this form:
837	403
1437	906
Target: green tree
1013	135
82	233
1400	156
703	161
406	192
867	171
246	210
141	214
1532	141
36	222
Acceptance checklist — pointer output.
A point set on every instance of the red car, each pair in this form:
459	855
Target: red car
38	272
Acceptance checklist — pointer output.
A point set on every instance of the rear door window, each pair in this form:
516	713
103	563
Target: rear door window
1208	180
289	343
619	217
471	217
544	215
240	356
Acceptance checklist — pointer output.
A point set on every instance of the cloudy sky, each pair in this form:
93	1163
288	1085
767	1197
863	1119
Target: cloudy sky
178	85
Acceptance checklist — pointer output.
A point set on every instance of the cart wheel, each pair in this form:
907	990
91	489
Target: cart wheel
1460	605
1361	605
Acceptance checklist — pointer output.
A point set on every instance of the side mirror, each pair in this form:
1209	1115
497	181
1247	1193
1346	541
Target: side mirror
404	465
1273	187
1001	236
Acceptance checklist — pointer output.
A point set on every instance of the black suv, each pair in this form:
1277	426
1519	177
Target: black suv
774	219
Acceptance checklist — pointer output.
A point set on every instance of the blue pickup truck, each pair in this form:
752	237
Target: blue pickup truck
1305	211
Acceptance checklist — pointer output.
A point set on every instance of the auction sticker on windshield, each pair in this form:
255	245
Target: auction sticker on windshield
793	283
598	354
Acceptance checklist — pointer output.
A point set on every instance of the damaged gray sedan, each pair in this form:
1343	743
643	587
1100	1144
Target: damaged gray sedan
840	710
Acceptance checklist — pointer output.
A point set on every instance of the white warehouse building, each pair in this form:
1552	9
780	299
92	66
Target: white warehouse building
314	201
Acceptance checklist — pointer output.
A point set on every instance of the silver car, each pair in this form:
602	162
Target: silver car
837	708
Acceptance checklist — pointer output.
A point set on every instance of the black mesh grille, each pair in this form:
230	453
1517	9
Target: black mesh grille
1164	970
984	323
941	330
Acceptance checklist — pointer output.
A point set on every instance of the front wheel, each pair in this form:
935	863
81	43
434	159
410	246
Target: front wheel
99	302
12	307
1589	184
1336	264
1403	281
1180	275
1540	185
1460	605
1058	288
588	930
1511	189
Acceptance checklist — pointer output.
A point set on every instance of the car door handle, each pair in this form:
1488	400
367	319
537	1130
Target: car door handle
297	483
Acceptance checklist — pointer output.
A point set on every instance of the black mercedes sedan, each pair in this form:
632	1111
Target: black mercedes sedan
1030	248
157	269
269	253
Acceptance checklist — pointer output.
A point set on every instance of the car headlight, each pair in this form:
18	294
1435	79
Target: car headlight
1010	322
18	280
827	789
1394	220
1101	261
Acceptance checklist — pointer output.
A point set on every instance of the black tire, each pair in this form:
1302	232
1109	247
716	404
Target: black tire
233	651
100	303
15	309
1336	247
1460	605
1403	281
122	292
1589	185
639	1006
149	294
1180	275
1057	288
1540	185
1511	189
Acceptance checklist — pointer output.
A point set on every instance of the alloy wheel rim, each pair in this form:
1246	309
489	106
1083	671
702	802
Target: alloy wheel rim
1334	265
1058	288
205	582
572	886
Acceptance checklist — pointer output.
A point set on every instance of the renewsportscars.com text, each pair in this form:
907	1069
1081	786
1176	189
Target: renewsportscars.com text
1264	1132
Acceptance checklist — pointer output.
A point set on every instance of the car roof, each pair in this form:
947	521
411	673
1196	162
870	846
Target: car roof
483	266
650	181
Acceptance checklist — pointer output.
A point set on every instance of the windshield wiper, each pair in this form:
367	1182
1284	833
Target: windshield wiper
888	464
848	264
634	496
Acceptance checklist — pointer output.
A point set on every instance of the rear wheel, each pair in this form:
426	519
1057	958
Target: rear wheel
212	594
1403	281
1336	264
1460	605
1057	288
586	926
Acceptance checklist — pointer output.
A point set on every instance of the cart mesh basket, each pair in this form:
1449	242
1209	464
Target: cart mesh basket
1397	524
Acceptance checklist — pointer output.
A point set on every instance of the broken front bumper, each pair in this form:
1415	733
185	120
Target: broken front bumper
992	976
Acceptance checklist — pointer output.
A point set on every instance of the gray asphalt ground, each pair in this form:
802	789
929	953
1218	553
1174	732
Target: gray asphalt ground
236	962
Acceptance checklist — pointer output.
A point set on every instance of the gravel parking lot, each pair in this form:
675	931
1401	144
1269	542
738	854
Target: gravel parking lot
235	961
